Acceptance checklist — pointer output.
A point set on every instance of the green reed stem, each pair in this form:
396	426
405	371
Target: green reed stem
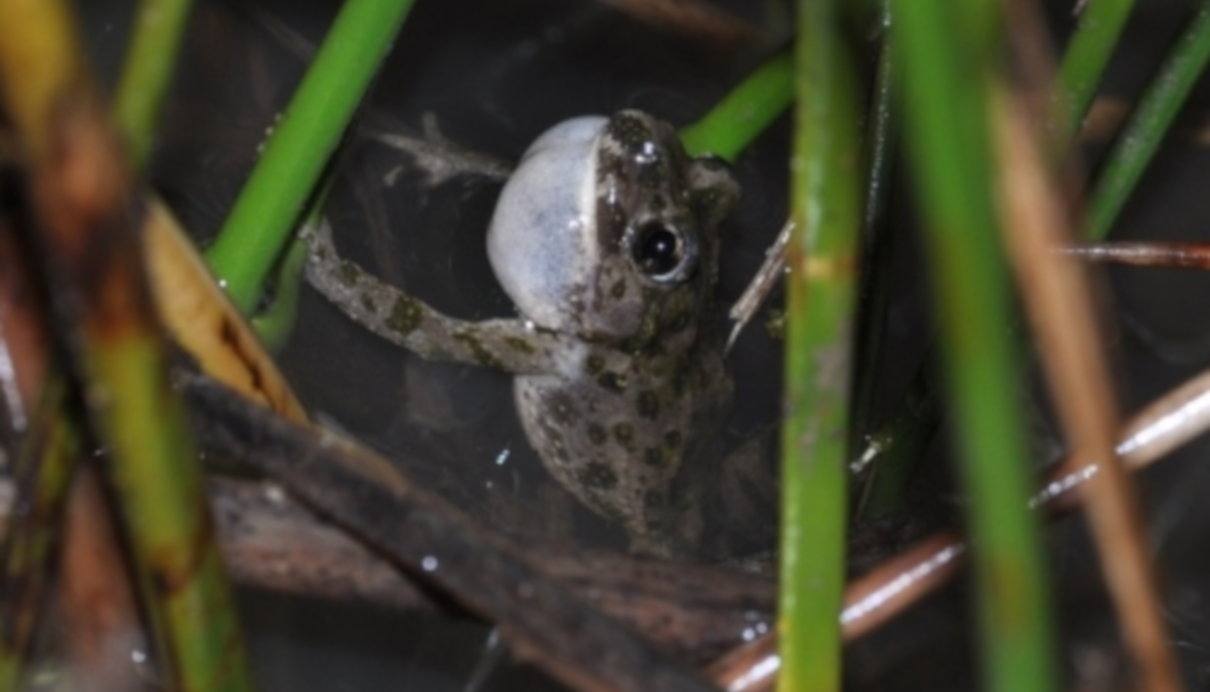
158	483
1088	52
88	256
745	112
876	241
260	223
820	297
1150	122
146	72
950	53
275	323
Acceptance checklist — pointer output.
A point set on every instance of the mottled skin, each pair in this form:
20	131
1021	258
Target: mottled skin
606	239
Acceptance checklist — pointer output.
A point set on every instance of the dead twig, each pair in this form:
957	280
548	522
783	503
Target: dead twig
439	545
694	18
1174	419
1059	302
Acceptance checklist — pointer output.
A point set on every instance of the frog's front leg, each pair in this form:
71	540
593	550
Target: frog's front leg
512	345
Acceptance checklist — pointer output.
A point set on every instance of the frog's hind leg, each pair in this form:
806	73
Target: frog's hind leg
511	345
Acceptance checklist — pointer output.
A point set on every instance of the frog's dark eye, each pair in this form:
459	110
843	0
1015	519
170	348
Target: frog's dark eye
657	250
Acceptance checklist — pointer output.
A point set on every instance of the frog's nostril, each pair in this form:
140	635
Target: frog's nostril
658	250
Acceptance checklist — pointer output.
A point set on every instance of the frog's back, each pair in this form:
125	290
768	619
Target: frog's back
618	436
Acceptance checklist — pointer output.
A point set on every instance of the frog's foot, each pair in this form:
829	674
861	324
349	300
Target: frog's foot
508	344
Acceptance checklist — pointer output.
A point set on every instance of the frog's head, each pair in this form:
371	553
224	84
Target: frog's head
609	230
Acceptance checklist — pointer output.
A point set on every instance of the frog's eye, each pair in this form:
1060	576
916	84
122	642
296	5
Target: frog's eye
657	250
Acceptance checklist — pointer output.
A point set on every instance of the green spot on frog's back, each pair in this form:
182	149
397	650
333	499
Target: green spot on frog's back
405	316
349	273
597	434
367	303
612	381
595	364
624	434
654	457
653	499
618	289
519	344
477	349
649	404
599	476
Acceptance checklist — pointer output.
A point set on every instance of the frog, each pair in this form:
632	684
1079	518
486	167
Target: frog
606	238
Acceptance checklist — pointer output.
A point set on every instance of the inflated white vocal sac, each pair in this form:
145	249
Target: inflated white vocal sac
542	240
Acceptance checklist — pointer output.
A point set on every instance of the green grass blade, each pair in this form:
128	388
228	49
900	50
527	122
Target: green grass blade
820	301
745	112
88	254
1084	60
150	57
259	226
948	57
1141	138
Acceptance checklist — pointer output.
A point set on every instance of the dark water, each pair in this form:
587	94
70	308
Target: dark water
491	76
471	71
474	71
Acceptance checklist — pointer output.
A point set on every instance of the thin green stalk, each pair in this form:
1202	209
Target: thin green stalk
876	241
1141	138
47	461
87	255
949	53
820	299
896	443
158	483
275	323
150	57
1084	61
269	205
745	112
894	449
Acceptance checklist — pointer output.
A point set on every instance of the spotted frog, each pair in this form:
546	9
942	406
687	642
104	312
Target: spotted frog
606	239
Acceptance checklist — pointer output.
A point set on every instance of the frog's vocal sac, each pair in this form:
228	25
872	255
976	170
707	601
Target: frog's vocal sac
606	239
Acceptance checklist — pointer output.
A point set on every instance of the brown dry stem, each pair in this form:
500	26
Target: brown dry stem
1063	313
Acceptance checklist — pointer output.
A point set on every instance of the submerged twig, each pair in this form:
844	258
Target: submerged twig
271	542
697	18
1167	254
761	285
436	542
1172	420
